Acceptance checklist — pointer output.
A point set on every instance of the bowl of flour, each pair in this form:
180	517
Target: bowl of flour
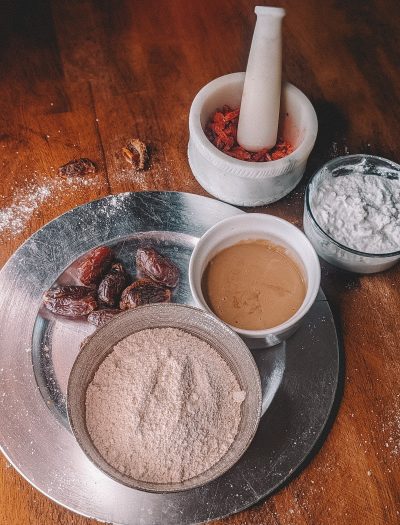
164	398
352	213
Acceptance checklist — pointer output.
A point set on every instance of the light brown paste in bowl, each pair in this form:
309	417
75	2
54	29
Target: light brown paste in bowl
254	285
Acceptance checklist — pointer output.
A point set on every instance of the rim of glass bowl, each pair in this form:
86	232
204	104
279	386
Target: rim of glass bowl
328	165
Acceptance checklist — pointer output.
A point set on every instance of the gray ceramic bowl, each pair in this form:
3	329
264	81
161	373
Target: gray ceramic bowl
198	323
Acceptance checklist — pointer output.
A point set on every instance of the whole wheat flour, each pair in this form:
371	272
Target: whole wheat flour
163	407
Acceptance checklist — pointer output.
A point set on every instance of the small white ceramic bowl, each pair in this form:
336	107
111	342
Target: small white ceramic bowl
249	183
326	246
258	226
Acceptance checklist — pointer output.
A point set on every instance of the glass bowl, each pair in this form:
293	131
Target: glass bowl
196	322
326	246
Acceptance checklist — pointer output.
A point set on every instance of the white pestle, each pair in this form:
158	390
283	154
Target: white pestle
259	109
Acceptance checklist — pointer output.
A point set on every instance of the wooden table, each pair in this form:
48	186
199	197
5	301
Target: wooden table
79	78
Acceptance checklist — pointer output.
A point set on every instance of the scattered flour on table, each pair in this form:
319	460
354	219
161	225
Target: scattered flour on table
13	218
28	200
163	407
360	211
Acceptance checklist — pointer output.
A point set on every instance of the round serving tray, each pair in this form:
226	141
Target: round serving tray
299	378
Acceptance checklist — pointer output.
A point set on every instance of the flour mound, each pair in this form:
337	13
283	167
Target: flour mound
360	211
163	407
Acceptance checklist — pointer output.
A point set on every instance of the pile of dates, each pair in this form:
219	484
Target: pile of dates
105	289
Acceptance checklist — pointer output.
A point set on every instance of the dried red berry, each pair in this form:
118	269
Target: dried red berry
221	130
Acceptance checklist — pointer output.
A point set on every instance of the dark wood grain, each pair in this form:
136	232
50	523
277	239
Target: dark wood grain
80	78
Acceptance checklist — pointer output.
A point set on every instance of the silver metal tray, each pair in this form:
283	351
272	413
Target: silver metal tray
37	351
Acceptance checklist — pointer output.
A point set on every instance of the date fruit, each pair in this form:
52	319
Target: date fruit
144	291
157	267
70	301
101	317
135	152
110	288
77	168
95	265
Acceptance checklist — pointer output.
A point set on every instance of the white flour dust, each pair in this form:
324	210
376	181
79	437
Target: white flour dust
13	218
28	201
163	407
360	211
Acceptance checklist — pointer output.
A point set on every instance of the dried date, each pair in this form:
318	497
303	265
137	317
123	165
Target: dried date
70	301
95	265
110	288
144	291
77	168
135	152
101	317
156	266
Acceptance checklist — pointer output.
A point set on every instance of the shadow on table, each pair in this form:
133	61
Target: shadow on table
330	420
